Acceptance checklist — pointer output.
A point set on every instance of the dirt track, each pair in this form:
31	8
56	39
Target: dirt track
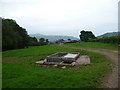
112	79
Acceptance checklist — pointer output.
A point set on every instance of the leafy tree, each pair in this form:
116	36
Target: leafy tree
43	41
33	41
69	39
14	36
86	35
47	41
11	37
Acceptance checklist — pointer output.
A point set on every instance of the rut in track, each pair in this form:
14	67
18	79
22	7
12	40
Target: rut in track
112	80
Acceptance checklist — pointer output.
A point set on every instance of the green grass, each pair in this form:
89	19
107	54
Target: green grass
19	70
97	45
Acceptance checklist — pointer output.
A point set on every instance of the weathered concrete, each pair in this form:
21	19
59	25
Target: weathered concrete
82	60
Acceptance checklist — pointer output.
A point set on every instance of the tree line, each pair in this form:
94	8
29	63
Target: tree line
88	36
112	40
16	37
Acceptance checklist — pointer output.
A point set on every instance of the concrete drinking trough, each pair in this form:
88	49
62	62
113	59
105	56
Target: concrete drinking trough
65	59
62	57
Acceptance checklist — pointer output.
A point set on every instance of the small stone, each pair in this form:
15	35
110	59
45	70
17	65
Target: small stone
73	64
55	65
63	67
40	62
45	60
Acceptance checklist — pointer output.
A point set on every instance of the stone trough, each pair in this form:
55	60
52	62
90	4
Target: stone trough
62	58
65	59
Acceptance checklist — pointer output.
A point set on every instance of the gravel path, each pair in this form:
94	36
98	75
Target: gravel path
112	79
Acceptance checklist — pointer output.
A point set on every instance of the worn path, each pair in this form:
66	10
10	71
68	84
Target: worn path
112	80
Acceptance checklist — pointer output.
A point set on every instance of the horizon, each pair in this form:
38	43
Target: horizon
63	17
68	35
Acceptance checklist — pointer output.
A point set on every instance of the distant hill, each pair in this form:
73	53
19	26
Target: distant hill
53	37
109	34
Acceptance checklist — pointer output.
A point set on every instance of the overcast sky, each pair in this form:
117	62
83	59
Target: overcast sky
63	17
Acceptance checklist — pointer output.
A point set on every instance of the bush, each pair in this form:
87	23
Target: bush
112	40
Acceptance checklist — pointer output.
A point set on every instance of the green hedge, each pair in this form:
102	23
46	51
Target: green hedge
112	40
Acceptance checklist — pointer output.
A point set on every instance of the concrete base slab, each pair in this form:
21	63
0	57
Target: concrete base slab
82	60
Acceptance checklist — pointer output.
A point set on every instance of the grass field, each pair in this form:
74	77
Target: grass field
19	70
97	45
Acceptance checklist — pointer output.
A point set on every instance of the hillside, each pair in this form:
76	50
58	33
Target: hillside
53	37
109	34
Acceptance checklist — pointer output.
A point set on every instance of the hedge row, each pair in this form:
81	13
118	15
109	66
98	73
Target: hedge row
112	40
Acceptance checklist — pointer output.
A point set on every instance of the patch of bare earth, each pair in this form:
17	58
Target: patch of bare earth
112	79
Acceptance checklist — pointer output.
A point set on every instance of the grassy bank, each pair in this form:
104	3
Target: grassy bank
19	70
97	45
